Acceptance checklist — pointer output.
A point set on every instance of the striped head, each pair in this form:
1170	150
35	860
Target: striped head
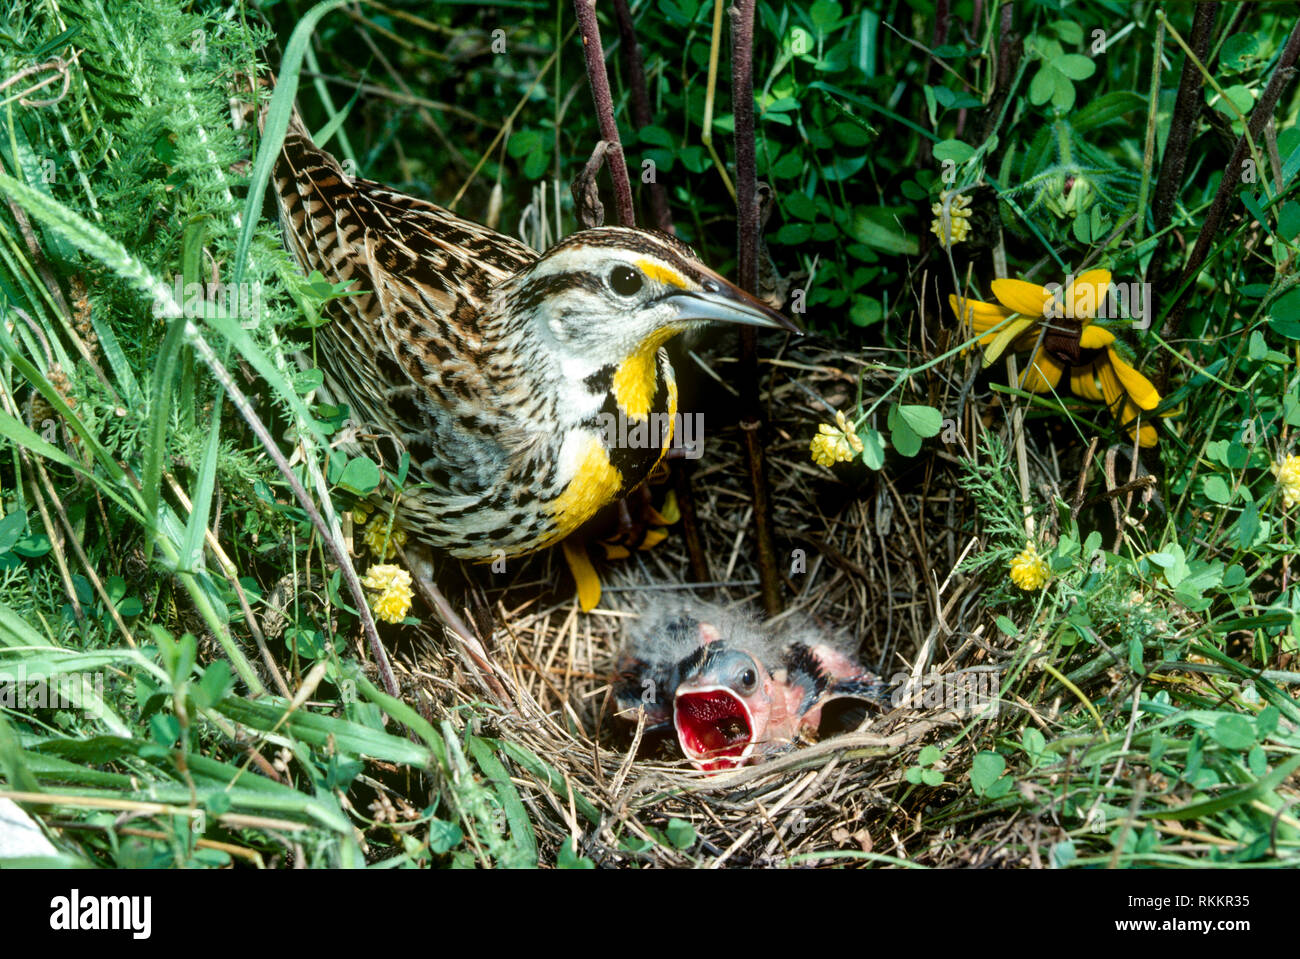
610	297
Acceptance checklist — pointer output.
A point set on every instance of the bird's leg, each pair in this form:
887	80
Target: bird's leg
632	527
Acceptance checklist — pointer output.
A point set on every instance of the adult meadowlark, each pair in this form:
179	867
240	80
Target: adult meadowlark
498	369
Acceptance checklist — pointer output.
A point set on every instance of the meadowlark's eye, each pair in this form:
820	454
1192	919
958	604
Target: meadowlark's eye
625	281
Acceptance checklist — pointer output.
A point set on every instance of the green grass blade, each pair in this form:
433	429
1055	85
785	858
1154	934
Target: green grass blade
201	502
277	124
521	830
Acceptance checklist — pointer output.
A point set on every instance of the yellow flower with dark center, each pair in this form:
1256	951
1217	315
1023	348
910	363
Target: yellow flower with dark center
1288	479
835	444
1027	312
951	222
1029	570
393	584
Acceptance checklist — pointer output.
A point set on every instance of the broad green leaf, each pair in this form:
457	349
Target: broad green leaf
12	528
1075	66
1234	732
873	448
1063	94
1216	490
865	311
360	476
824	13
985	770
901	436
954	150
1042	85
680	833
878	228
924	420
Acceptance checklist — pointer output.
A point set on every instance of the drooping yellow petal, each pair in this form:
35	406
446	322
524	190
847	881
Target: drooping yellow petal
981	316
1140	389
1111	388
1021	296
999	343
1083	382
1145	434
1043	374
1087	293
1095	337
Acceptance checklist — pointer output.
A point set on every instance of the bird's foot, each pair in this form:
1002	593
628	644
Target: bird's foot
639	526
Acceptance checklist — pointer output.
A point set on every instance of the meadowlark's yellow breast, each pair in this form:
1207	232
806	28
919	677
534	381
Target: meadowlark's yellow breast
595	483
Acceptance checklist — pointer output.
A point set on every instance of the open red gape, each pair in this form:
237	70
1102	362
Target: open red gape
714	727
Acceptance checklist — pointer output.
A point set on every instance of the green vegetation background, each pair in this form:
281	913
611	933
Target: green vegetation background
121	446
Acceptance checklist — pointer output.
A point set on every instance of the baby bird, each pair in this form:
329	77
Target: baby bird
735	690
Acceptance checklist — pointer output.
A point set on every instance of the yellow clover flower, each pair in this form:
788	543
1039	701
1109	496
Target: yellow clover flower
1288	479
393	584
835	444
951	222
1029	570
380	541
1070	340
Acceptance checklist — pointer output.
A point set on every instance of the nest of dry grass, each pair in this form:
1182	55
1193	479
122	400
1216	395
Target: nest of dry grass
879	549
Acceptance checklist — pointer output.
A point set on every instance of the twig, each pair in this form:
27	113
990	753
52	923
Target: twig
599	80
229	570
60	71
1186	108
332	543
751	423
681	480
937	39
640	106
1009	51
587	208
1283	72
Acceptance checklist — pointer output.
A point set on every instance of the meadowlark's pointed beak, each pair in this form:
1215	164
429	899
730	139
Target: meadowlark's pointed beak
724	302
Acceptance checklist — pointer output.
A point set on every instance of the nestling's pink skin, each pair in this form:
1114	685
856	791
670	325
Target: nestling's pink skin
734	692
732	710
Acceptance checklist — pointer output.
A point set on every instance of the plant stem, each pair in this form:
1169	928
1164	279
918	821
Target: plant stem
1186	107
599	80
332	543
710	90
1283	73
640	105
1149	148
751	423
